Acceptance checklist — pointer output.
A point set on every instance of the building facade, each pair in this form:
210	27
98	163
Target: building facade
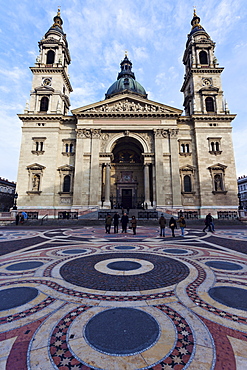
242	192
127	151
7	194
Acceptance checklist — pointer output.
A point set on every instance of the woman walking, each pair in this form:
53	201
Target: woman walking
133	222
182	224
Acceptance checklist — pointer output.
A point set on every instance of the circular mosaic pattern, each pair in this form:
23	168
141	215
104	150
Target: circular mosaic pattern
15	297
74	251
224	265
175	251
230	296
82	272
122	331
24	266
124	265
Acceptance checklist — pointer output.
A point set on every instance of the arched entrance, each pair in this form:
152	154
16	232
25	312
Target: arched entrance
127	185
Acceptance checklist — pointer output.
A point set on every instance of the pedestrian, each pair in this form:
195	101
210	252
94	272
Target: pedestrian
182	224
208	221
108	220
162	223
172	225
212	224
115	222
133	222
124	221
17	217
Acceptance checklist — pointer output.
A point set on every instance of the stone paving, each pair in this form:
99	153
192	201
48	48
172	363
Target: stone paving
77	298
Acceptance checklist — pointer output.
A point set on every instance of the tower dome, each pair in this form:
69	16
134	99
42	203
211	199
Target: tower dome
126	82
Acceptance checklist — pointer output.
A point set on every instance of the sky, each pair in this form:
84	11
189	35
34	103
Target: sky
154	32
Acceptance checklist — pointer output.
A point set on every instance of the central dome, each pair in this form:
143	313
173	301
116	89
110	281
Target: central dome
126	82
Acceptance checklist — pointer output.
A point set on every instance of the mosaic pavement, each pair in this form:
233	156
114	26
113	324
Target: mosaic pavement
78	299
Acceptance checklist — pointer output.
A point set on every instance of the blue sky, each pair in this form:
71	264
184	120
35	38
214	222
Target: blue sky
154	33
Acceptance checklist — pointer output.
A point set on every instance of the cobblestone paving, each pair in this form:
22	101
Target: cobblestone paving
81	275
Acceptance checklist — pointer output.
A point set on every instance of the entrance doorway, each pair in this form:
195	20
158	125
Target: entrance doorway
127	198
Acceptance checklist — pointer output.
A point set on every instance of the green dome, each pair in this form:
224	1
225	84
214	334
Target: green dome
126	82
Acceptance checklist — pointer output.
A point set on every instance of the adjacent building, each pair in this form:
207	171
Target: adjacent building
7	194
127	151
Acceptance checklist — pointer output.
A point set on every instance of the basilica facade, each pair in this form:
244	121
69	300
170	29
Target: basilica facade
126	151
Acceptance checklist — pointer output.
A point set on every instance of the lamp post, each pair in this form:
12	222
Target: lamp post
15	200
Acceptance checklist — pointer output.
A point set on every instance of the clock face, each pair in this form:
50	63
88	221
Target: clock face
206	82
46	82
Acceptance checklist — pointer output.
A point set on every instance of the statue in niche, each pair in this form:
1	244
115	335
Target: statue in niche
218	183
36	182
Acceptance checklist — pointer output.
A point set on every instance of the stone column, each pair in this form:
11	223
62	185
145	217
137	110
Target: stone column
146	186
107	203
160	135
94	168
176	187
154	187
82	134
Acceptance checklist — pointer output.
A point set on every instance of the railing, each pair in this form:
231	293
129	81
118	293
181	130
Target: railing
227	215
43	218
148	215
189	215
67	215
33	215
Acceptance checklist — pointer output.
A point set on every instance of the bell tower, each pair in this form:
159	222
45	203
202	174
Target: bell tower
202	81
51	86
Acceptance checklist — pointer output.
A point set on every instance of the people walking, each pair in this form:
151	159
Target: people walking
17	218
182	224
208	222
124	221
162	223
116	218
172	225
133	222
108	220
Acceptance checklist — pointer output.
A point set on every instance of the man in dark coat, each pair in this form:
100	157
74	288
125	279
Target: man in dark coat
124	221
108	223
115	222
208	222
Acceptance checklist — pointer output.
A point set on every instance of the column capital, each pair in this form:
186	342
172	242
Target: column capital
83	133
173	132
96	133
161	133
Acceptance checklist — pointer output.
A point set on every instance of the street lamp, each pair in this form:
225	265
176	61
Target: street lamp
15	200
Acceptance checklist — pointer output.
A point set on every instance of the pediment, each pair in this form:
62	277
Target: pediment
217	166
187	168
126	105
66	167
35	166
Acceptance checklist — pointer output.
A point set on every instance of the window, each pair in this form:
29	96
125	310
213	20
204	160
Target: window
44	103
209	102
68	147
203	56
214	145
187	184
38	145
185	147
66	174
50	57
66	184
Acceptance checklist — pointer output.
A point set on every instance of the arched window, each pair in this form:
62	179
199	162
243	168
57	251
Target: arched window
50	57
66	184
67	148
212	146
187	184
209	104
203	57
71	148
44	103
187	148
217	146
182	148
